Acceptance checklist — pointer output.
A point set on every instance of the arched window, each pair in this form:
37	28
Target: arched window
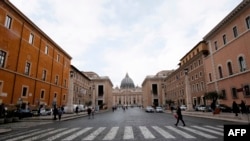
242	64
220	72
229	67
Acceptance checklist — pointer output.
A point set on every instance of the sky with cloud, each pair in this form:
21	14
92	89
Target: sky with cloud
115	37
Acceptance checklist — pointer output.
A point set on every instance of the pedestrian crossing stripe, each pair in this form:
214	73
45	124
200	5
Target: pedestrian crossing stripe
91	133
180	132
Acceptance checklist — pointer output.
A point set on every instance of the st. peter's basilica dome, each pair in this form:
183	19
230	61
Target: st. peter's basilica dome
127	82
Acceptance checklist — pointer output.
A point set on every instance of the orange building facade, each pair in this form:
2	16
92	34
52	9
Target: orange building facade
33	69
188	79
227	65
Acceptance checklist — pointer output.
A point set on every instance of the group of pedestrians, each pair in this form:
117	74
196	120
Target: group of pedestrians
241	108
58	111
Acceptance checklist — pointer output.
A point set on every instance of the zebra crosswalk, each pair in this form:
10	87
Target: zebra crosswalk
118	133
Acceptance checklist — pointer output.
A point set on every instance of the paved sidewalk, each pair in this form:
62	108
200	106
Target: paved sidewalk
245	118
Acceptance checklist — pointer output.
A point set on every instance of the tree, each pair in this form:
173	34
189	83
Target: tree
214	95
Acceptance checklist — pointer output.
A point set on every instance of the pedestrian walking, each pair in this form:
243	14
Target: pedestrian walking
2	110
60	112
235	108
93	112
77	109
243	108
179	116
89	112
213	106
55	112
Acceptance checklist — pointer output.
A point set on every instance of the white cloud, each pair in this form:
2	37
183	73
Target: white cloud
113	37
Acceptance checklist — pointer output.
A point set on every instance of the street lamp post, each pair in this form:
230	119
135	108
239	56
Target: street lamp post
188	92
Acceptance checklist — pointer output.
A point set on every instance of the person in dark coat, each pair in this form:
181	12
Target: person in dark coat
89	111
179	116
235	108
77	109
243	107
60	112
55	112
213	106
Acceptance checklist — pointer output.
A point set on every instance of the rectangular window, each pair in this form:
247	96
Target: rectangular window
154	89
1	87
235	31
215	45
56	80
55	95
202	86
44	75
25	91
100	90
234	92
248	22
246	90
42	94
46	50
223	94
2	58
58	58
65	83
27	68
210	77
8	22
31	38
224	39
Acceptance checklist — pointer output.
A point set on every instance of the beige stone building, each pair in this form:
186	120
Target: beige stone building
227	66
81	87
101	88
154	89
128	94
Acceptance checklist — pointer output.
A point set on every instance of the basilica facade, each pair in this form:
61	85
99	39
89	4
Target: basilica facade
128	94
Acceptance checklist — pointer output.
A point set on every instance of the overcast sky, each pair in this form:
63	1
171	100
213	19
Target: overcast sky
115	37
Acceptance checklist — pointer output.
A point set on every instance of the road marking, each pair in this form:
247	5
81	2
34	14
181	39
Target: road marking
209	130
18	134
61	134
111	134
146	133
163	132
44	134
184	134
28	135
199	133
77	134
128	133
212	127
94	134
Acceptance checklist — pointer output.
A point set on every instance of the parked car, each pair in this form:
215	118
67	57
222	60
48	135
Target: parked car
183	107
45	112
159	109
21	113
35	112
200	108
224	108
149	109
